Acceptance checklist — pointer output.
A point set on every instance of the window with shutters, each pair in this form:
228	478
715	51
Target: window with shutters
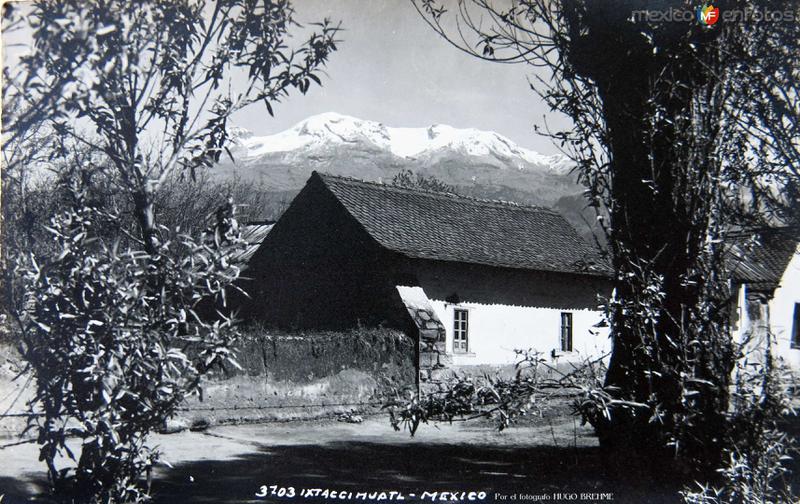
566	332
460	331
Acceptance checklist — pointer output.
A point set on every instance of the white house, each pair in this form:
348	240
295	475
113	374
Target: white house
766	280
474	279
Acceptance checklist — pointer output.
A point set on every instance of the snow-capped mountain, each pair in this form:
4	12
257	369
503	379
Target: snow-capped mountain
478	163
332	130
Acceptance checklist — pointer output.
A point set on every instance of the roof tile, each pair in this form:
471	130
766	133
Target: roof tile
760	258
443	226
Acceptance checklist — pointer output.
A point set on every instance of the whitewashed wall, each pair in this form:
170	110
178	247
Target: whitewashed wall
740	322
782	312
495	330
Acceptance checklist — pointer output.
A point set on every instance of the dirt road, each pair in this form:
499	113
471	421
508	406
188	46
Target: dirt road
367	462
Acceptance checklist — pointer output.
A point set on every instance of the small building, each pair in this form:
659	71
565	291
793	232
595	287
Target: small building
765	273
472	279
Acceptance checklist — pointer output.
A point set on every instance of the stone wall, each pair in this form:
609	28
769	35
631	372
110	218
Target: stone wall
306	374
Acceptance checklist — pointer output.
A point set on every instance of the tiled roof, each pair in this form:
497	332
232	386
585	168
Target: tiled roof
760	258
252	234
447	227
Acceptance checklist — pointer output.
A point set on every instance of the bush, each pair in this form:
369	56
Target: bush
107	332
505	400
756	465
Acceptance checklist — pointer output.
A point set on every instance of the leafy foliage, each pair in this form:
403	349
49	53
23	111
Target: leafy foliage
679	134
121	99
115	342
407	178
756	467
465	398
152	84
181	203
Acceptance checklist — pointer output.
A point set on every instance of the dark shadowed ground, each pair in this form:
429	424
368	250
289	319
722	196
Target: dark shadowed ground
554	461
370	467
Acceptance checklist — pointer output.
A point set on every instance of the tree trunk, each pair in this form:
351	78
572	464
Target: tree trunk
676	359
144	209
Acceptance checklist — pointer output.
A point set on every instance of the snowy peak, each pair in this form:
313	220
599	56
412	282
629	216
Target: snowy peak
332	130
477	163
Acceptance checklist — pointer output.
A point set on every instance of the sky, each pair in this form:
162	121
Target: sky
392	68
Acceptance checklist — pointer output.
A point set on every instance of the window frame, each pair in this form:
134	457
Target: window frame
795	342
566	332
460	334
